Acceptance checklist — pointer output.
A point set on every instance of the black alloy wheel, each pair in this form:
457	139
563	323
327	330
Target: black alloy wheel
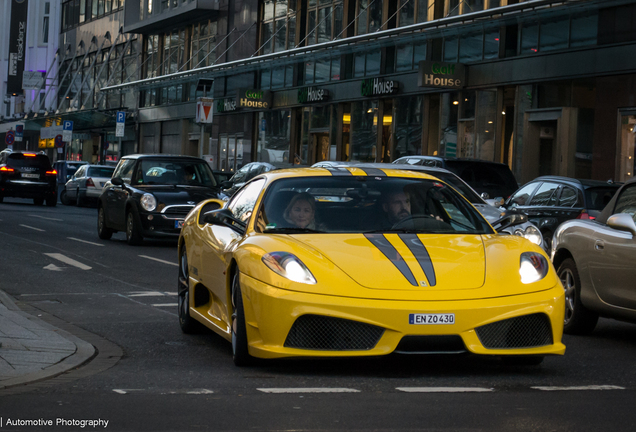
103	231
188	324
64	198
578	319
240	353
133	229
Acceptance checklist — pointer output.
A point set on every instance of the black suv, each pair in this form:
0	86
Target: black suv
550	200
150	195
27	175
489	179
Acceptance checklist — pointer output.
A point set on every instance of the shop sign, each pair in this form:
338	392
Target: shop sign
225	105
441	75
257	99
312	94
378	87
17	44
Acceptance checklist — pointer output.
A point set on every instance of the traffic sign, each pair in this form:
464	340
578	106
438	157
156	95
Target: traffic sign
9	137
120	124
19	132
68	125
204	110
59	142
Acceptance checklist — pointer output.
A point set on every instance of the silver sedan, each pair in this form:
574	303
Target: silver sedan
595	262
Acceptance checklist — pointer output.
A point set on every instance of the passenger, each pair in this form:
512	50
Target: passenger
397	206
301	211
188	176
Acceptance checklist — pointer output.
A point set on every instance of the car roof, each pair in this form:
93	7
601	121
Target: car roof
389	171
581	183
451	159
161	156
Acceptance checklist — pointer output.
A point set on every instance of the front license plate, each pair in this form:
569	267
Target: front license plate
31	175
178	224
431	319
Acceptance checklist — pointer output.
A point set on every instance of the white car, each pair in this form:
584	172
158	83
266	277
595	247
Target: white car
86	184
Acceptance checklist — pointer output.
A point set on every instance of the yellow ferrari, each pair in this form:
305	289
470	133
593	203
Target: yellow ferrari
330	262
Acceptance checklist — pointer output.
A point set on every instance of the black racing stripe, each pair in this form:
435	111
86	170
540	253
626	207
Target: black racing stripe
381	242
421	255
339	171
373	172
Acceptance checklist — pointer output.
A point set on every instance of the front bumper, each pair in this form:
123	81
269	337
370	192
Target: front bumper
271	312
157	225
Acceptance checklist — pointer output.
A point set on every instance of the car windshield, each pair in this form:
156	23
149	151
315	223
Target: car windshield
106	172
367	205
175	172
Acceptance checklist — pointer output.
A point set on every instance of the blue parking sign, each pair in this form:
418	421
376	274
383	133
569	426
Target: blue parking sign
121	117
67	125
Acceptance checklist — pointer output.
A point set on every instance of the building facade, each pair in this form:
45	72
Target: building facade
544	86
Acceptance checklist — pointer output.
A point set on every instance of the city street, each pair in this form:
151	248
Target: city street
148	375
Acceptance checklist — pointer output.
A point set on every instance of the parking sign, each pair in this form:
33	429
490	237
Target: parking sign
67	130
120	124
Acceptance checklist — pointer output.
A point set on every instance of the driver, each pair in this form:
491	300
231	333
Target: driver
397	206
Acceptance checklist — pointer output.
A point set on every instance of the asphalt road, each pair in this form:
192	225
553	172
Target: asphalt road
53	262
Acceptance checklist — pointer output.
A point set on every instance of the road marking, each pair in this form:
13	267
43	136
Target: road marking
30	227
84	241
308	390
53	267
160	260
68	260
444	389
166	305
170	293
590	387
146	294
52	219
125	391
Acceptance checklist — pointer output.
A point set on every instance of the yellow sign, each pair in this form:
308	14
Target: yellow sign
41	143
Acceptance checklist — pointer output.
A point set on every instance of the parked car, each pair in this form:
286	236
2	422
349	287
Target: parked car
551	200
595	262
149	195
245	174
350	280
490	179
65	170
27	175
493	215
86	184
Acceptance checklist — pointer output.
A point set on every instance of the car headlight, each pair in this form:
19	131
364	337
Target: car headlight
288	266
532	267
533	234
148	202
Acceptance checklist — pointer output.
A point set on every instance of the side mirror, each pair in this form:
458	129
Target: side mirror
484	196
622	222
509	220
117	181
224	217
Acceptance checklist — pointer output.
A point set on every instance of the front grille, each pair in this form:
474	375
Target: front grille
447	344
176	211
316	332
520	332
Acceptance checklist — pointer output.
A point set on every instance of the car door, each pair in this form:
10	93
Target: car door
218	245
73	183
612	268
117	196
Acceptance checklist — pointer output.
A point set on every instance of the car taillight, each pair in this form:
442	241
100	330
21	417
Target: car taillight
52	172
5	169
89	182
29	154
585	215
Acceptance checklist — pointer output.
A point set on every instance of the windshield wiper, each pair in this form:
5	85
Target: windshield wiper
290	230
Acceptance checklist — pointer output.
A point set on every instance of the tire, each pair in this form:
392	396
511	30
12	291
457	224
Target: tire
103	231
51	201
134	237
79	201
38	201
521	360
64	198
240	353
188	324
578	319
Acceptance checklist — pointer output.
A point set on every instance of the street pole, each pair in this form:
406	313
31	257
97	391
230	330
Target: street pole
202	129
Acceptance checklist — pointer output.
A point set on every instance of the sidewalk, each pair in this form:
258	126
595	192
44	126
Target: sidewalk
33	350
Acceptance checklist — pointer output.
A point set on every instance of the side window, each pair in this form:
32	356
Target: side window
243	204
125	170
569	197
545	195
626	202
521	197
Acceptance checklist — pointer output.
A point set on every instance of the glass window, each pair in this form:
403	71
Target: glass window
407	12
364	130
584	30
530	39
554	34
450	49
408	126
125	170
485	125
491	44
404	57
626	202
545	195
569	197
243	204
520	198
471	48
273	142
473	6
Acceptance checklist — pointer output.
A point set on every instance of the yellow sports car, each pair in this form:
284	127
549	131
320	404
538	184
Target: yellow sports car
329	262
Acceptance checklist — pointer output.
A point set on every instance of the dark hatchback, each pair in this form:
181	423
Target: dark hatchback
150	195
551	200
27	175
492	178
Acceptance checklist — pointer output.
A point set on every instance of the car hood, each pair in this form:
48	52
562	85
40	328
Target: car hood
173	195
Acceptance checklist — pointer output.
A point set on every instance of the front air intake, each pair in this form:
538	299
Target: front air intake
316	332
526	331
